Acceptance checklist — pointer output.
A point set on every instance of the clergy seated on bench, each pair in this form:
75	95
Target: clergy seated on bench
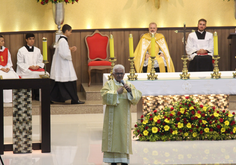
30	61
199	48
163	61
6	70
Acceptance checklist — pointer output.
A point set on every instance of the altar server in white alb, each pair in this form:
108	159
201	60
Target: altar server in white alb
29	59
63	72
200	48
6	70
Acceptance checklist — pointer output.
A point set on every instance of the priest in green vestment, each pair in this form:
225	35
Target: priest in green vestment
118	95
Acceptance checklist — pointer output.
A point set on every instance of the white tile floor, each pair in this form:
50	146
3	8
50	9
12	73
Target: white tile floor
76	140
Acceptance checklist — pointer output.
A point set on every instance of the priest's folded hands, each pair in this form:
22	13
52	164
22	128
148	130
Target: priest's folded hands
34	67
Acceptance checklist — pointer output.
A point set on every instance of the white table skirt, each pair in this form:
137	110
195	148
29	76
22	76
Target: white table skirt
171	84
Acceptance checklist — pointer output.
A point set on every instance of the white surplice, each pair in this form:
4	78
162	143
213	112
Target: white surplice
7	94
25	59
194	44
62	69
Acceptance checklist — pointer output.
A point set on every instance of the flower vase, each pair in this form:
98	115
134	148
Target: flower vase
58	15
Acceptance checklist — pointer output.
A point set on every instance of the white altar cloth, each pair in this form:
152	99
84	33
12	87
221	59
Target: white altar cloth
171	84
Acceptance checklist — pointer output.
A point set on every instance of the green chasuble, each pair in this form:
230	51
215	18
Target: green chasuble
116	136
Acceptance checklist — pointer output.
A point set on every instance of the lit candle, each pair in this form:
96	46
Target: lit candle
131	46
45	53
215	43
153	45
111	46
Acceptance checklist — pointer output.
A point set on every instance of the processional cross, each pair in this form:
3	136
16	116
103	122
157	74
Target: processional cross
185	75
184	31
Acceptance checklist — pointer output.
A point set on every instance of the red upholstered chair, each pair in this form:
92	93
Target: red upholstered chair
97	45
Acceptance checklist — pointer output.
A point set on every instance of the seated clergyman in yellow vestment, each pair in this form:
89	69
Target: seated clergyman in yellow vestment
163	61
118	95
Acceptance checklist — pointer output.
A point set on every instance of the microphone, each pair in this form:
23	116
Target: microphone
122	81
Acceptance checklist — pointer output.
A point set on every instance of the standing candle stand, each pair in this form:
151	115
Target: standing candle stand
132	75
112	60
45	72
234	74
185	75
152	75
216	74
45	57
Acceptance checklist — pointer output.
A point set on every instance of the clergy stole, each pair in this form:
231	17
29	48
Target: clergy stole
4	57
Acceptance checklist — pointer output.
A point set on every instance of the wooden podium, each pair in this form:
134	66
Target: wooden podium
232	36
44	85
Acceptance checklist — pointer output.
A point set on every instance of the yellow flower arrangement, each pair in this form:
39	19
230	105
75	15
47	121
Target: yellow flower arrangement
200	122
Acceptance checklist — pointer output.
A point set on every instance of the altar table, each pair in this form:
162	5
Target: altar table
171	84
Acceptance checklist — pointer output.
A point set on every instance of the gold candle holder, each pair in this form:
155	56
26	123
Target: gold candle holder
216	74
45	72
185	75
234	74
132	75
152	75
112	60
0	77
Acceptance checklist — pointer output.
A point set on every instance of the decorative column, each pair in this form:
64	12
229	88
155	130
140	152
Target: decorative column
22	121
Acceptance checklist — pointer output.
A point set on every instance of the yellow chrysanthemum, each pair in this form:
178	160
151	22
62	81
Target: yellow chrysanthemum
222	130
175	132
189	125
191	108
166	127
145	133
186	134
198	115
226	122
234	130
145	121
206	129
204	121
182	110
204	108
154	129
216	114
155	118
173	113
166	120
195	134
230	115
180	125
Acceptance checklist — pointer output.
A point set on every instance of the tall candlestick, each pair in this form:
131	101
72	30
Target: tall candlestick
153	45
131	46
111	46
215	43
45	53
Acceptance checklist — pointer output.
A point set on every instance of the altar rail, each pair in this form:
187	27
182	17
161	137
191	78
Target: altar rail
15	40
